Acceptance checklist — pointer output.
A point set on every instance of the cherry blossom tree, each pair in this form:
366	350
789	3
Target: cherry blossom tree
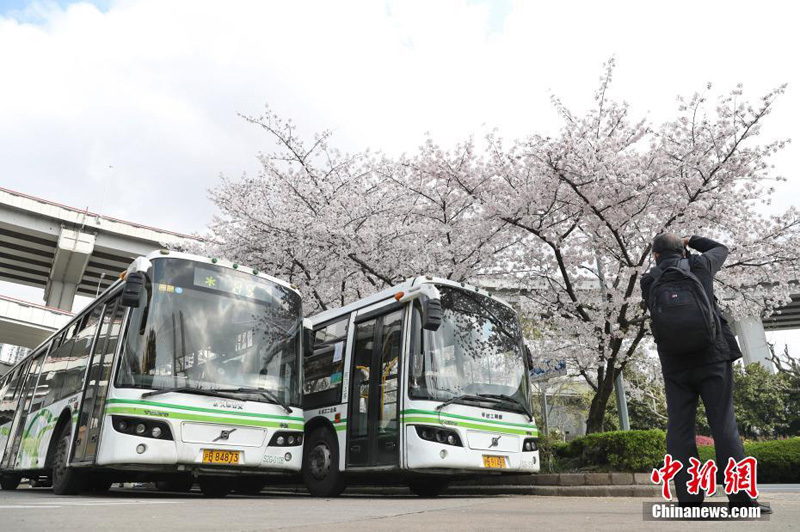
345	225
590	199
568	218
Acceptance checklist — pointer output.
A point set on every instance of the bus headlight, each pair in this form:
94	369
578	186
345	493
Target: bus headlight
529	445
143	427
443	436
286	439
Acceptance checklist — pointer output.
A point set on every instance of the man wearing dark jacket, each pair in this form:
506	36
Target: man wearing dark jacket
707	374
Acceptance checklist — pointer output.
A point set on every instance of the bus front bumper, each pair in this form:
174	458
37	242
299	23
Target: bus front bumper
122	450
429	455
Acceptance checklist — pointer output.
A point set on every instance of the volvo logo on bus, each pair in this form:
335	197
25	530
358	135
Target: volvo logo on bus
495	441
224	435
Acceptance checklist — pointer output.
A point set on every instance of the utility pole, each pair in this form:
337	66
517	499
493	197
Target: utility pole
545	425
622	403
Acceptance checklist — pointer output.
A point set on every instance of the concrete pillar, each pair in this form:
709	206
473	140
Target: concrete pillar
753	341
72	255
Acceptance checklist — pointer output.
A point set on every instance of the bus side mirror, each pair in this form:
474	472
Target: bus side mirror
132	291
529	356
431	314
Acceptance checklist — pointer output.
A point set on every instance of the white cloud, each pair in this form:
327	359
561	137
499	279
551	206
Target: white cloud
152	88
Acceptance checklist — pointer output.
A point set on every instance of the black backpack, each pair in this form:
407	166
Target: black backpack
683	318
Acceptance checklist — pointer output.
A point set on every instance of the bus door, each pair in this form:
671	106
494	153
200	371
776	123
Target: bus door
10	405
372	420
95	390
24	405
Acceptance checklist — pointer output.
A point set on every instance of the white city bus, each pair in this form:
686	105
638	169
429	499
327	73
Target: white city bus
420	383
185	370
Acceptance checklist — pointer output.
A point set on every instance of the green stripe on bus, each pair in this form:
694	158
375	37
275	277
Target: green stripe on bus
457	416
200	409
162	414
487	428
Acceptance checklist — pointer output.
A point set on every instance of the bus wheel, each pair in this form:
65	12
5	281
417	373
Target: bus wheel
250	486
66	480
177	485
9	482
215	487
428	487
321	464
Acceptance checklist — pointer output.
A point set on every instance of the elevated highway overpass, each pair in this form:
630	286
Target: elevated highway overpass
65	251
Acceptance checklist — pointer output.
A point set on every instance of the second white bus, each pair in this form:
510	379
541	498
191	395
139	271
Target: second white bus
419	383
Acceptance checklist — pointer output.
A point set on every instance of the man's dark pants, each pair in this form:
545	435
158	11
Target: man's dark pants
714	384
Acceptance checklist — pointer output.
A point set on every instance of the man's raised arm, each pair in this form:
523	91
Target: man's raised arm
712	251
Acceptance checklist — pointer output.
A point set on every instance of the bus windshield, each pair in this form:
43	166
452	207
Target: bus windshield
211	328
477	351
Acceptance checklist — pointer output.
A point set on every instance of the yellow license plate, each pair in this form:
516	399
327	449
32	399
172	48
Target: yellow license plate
211	456
495	462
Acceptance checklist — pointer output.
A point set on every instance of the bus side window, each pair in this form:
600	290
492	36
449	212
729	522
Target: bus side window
76	363
324	365
51	379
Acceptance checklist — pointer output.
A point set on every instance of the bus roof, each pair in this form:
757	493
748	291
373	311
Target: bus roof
387	293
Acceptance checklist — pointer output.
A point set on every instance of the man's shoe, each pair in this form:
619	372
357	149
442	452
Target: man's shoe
765	507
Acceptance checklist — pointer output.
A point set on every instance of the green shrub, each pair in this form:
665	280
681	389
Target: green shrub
778	460
642	450
633	450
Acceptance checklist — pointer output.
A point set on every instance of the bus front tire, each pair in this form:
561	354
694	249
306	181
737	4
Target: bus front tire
427	488
66	480
321	473
9	482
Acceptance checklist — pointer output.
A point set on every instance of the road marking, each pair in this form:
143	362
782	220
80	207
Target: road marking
11	507
61	504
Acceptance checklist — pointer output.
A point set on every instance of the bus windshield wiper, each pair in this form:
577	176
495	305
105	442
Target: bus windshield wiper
188	389
511	399
269	396
466	396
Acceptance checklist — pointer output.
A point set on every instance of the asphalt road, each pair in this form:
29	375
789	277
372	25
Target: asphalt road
143	510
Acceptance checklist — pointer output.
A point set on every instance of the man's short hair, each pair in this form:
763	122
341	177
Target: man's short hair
668	243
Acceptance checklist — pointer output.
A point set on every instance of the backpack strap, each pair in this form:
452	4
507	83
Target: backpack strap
656	272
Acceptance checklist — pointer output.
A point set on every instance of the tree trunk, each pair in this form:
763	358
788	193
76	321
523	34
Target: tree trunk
605	387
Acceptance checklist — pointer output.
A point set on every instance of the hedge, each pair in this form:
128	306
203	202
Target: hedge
778	460
632	450
642	450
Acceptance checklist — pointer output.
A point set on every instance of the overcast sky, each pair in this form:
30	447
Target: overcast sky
129	107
